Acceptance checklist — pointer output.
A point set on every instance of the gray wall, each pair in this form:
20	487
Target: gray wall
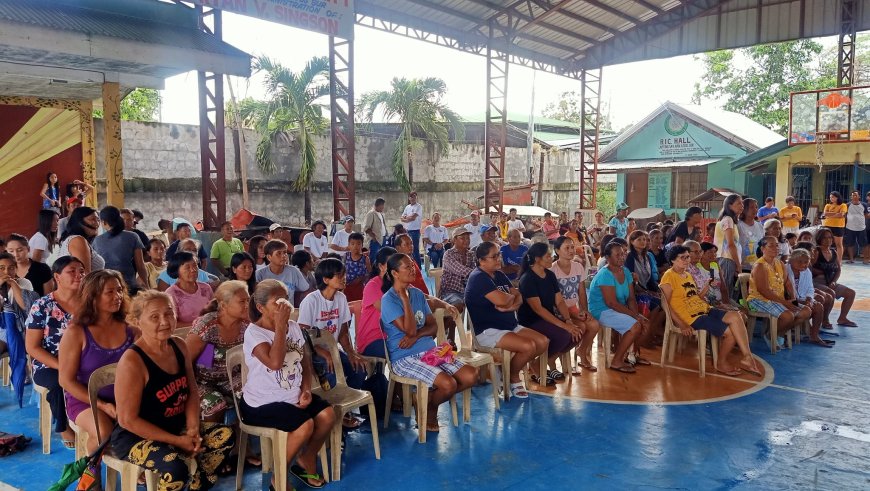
162	176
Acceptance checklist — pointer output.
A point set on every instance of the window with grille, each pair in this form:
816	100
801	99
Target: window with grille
688	183
802	187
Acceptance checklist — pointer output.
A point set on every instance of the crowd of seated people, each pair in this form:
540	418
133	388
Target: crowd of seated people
88	299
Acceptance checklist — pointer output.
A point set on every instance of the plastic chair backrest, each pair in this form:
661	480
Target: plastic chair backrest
326	340
355	313
181	332
666	306
101	377
743	281
436	274
236	358
440	333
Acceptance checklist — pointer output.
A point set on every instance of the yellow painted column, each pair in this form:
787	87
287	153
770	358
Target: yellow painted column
112	133
783	180
89	152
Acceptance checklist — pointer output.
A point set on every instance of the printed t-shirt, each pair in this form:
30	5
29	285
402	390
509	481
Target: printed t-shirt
686	303
835	222
513	257
545	289
436	235
392	309
266	386
569	284
318	312
604	277
483	313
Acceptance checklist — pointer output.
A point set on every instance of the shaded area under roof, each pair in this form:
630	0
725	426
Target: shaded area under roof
652	164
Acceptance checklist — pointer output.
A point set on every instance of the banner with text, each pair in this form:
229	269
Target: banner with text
659	191
331	17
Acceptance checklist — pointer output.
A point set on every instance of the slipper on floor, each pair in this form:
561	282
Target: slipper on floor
822	343
588	367
847	324
555	374
750	370
537	380
518	391
350	422
70	444
641	361
304	476
624	369
733	373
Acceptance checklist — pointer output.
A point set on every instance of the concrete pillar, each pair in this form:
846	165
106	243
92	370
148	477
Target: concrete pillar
783	180
89	152
112	134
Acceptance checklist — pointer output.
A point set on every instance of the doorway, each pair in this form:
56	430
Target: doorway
636	190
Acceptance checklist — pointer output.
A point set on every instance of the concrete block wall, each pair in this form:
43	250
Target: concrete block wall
162	175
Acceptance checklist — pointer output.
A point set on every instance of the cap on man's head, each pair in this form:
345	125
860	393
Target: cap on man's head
274	227
621	206
475	212
181	224
349	218
459	231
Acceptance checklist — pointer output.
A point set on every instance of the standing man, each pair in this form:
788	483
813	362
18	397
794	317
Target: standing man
791	216
620	221
856	225
375	228
767	211
412	217
474	229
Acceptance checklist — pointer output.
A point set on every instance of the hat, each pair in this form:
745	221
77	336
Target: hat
475	212
349	218
460	231
621	206
274	227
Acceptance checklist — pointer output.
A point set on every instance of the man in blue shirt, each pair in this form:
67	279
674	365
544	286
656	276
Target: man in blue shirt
767	211
512	254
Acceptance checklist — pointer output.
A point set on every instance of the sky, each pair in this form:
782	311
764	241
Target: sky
381	56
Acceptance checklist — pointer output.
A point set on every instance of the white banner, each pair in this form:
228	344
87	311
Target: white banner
330	17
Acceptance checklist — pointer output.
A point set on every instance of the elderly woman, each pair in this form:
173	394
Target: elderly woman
826	274
768	288
751	232
164	280
801	279
409	326
691	312
49	318
773	228
158	403
220	327
544	309
612	303
76	239
98	336
277	393
492	302
189	294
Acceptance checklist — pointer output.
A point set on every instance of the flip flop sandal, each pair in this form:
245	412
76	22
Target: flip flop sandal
537	380
624	369
847	324
70	444
733	373
588	367
750	370
350	422
304	476
642	362
828	327
822	343
518	391
555	375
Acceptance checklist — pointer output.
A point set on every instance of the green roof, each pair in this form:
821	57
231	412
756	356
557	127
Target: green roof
773	151
515	117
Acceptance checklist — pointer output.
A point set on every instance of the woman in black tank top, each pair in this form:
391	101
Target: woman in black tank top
158	403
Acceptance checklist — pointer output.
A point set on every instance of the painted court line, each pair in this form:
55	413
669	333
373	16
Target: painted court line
820	394
6	487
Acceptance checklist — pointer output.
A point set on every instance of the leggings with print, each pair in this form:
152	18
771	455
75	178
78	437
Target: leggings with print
169	463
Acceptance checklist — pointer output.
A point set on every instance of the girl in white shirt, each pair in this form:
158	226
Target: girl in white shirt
277	393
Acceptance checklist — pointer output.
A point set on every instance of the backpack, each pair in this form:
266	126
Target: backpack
10	444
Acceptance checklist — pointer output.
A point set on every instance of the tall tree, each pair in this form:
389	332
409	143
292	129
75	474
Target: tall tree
569	107
418	105
757	81
138	105
292	109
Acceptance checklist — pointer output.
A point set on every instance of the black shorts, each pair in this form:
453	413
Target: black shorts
281	415
855	238
711	322
838	231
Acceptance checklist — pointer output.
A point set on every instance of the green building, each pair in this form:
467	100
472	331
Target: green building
679	151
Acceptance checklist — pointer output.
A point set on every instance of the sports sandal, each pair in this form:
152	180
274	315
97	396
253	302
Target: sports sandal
518	391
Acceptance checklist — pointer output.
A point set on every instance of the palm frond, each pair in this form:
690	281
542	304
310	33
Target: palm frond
400	149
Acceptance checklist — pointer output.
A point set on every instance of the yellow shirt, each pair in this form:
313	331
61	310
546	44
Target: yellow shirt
775	280
791	222
835	222
686	303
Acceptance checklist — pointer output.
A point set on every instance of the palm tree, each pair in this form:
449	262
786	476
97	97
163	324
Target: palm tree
418	106
292	108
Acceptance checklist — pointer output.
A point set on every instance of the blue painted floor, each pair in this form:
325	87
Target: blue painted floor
809	430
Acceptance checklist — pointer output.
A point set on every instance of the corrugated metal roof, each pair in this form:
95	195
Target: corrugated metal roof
100	23
652	164
567	36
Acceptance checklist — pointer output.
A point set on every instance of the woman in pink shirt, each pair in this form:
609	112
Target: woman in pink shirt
369	336
550	227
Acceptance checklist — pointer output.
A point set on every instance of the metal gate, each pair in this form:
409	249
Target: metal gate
839	179
802	186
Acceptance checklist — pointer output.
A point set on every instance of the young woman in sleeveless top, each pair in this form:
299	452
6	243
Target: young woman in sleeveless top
97	337
158	403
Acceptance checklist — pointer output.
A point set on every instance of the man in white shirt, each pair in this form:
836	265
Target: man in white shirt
474	228
316	243
412	217
339	240
375	228
435	237
515	223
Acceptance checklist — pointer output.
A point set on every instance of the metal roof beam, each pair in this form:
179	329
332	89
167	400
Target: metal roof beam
612	11
545	4
653	7
610	51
